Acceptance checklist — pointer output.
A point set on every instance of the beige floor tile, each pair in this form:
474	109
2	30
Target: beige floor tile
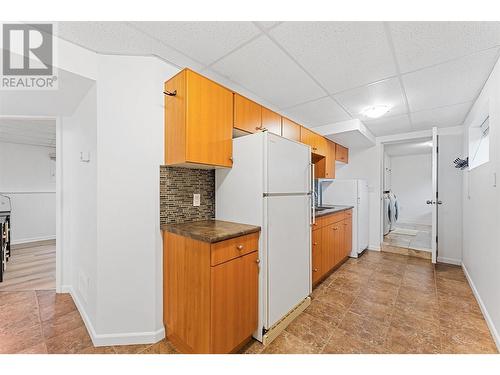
286	343
341	342
364	328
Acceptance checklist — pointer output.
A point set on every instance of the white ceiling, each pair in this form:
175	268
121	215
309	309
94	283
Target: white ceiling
31	131
319	73
415	147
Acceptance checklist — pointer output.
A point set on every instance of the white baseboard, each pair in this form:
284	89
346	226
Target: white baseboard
32	239
456	262
482	306
108	339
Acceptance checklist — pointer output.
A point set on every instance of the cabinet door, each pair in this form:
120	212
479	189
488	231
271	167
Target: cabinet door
330	159
317	269
328	247
209	122
338	242
307	137
341	154
290	129
247	114
348	236
234	302
271	121
320	145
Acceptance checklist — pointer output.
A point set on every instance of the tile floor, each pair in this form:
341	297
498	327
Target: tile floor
39	322
388	303
421	241
380	303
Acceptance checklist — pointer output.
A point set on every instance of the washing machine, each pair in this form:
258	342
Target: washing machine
393	210
387	213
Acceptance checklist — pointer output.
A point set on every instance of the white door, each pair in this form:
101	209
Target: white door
435	198
288	254
288	166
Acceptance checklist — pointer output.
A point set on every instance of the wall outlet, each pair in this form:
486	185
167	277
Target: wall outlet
196	200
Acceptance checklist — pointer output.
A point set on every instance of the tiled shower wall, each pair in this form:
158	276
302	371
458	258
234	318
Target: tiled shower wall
177	186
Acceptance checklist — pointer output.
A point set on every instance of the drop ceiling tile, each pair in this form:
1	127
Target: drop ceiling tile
266	70
340	55
454	82
389	125
421	44
387	92
318	112
173	56
105	37
204	42
443	117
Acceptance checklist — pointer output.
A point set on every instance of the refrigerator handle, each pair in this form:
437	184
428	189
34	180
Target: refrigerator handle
313	203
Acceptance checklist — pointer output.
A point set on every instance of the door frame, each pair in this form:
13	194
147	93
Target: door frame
58	193
435	194
390	139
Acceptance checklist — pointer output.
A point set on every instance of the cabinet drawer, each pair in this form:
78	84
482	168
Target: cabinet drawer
333	218
348	213
223	251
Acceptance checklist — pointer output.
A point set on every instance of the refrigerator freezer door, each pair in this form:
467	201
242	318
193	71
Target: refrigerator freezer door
288	166
288	254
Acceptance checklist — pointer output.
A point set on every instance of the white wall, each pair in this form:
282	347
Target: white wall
450	193
27	176
481	209
79	198
367	164
130	146
411	182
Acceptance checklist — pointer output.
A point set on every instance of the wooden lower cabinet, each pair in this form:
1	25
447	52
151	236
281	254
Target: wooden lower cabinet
331	243
234	300
210	308
317	256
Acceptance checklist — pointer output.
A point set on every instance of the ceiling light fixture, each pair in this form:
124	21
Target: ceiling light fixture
375	111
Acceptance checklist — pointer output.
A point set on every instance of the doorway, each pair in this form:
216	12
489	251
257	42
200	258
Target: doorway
28	197
407	191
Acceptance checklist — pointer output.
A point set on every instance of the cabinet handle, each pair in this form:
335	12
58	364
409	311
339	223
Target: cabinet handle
174	93
261	128
315	243
231	159
239	247
315	149
335	228
315	270
257	261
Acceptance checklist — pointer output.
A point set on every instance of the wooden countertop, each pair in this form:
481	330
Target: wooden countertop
210	230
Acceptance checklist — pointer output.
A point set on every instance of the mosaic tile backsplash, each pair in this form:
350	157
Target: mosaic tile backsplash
177	186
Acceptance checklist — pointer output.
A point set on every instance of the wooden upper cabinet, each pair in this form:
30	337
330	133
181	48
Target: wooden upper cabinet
316	141
198	122
330	159
290	129
341	153
247	114
271	121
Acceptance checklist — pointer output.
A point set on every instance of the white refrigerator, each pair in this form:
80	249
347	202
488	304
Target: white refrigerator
352	193
270	185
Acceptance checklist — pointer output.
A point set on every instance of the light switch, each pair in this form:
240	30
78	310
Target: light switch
196	200
85	156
